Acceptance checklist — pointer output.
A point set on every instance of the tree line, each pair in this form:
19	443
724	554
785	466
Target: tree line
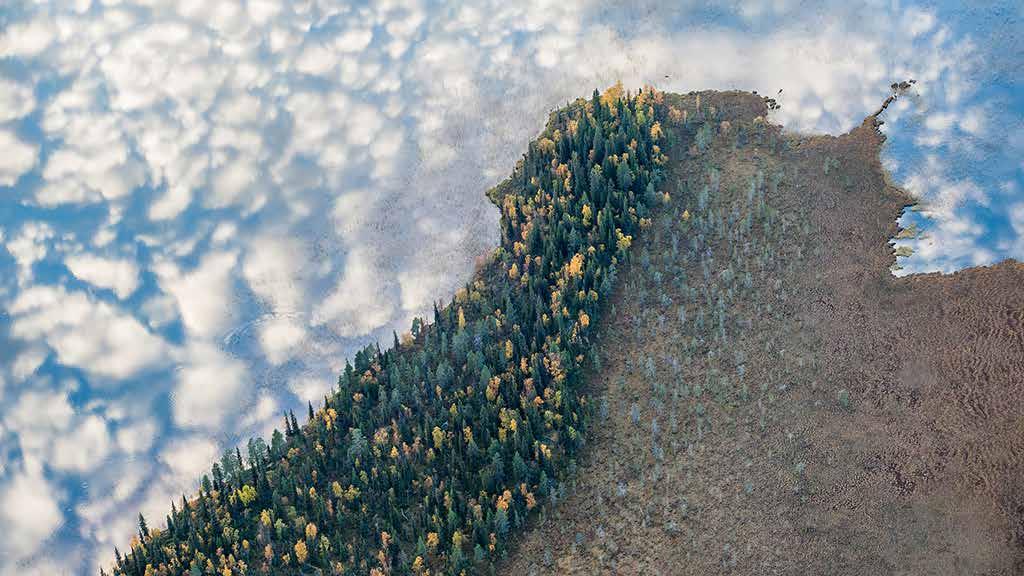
429	454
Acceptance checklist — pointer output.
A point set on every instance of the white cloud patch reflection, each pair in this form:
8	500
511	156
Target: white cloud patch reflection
17	159
204	294
119	275
30	513
209	388
207	206
16	100
84	333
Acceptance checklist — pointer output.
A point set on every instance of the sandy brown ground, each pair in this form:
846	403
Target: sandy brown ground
848	422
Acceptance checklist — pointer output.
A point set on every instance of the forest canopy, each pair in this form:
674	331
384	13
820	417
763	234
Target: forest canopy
428	455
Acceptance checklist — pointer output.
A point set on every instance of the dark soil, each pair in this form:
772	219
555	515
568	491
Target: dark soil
824	417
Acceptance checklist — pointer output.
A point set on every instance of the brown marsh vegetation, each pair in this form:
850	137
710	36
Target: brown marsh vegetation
771	400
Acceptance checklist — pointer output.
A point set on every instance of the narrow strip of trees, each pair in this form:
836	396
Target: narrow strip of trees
431	453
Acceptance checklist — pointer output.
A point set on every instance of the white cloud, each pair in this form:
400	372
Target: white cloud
38	418
239	109
159	310
16	100
918	21
262	11
419	287
387	144
189	457
209	388
310	389
939	122
28	362
232	182
163	60
136	438
263	414
1016	213
94	161
973	121
357	305
119	275
29	514
354	40
941	196
84	447
18	157
30	246
64	192
948	245
951	238
313	137
172	203
316	59
279	337
204	295
27	39
85	333
49	409
352	211
273	268
225	232
111	489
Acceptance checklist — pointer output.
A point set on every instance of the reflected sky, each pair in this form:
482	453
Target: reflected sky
206	207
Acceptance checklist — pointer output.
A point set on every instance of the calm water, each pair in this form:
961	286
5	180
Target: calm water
205	209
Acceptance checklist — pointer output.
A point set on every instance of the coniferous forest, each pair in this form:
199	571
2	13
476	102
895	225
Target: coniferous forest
430	454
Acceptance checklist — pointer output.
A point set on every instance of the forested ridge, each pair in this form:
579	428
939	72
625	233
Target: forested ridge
431	453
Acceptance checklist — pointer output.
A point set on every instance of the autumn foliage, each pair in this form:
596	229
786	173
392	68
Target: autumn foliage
430	454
